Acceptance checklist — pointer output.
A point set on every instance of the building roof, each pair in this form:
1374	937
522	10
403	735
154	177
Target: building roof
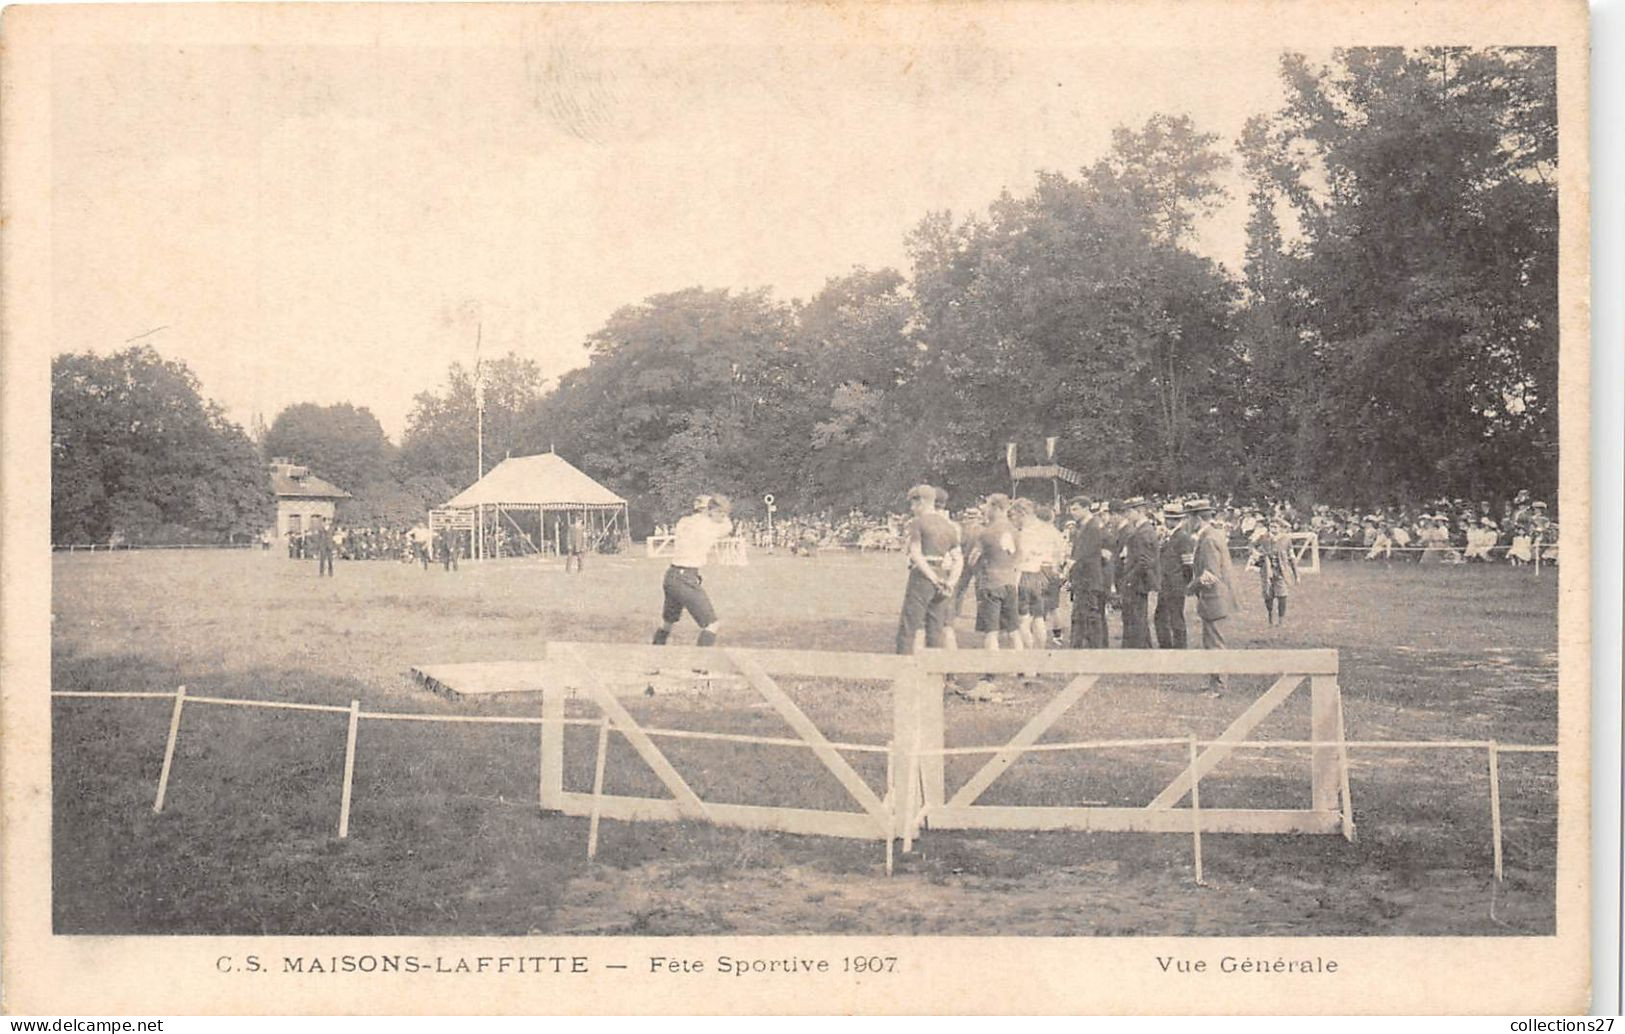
545	480
289	481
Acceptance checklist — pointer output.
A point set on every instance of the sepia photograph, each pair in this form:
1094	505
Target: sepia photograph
826	481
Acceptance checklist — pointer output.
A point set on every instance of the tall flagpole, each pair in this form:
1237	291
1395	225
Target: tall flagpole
479	439
479	407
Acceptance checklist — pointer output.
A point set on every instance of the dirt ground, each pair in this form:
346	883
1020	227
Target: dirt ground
446	837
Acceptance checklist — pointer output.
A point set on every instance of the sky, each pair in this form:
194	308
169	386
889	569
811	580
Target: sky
332	223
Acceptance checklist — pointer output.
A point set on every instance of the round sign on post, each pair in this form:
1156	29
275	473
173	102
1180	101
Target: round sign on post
768	499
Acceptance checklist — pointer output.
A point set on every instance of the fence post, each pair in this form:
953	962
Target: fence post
1325	782
349	770
550	791
597	788
932	728
1343	773
169	748
1196	814
1495	805
905	739
891	797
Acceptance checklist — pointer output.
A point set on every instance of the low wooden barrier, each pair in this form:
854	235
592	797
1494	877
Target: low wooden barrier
583	665
920	722
1306	551
915	796
733	551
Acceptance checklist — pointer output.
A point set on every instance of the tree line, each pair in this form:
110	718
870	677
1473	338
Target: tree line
1391	337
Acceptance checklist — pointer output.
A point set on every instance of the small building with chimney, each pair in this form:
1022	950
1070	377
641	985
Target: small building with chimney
300	497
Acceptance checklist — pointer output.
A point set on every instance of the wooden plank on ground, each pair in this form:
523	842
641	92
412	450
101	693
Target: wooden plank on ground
1035	727
1134	820
810	733
1224	745
688	802
855	825
1130	662
489	679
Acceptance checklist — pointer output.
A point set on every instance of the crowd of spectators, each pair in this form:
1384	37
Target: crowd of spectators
1439	531
403	545
1446	530
808	535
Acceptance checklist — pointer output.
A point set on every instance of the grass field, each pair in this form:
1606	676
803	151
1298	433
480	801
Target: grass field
446	838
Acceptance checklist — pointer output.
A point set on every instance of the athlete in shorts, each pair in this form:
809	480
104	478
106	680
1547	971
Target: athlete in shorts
1041	550
997	580
695	536
934	561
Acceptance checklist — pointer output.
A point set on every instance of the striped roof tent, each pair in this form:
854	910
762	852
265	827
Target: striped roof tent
547	480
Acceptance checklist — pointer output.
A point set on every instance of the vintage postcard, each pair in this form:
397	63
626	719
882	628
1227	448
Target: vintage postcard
992	507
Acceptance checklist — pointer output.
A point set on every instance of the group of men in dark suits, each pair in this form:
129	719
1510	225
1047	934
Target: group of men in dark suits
1118	549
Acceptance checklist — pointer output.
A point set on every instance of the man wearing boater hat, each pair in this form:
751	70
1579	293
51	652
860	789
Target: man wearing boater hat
1174	561
1140	574
1210	582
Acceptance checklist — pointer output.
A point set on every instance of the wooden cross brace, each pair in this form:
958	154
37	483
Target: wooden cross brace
688	802
1036	727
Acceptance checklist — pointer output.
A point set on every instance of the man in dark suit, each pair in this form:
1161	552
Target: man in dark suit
1112	528
575	544
1175	560
324	548
1140	574
1086	576
1210	582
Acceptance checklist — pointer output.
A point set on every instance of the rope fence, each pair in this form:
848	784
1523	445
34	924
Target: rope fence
1327	547
103	547
607	724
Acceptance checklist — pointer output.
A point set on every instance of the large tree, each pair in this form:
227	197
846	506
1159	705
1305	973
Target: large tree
682	392
849	441
1078	310
136	450
1420	286
442	429
342	443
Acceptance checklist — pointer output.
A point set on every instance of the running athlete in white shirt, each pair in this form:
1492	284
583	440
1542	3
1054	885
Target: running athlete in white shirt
695	535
